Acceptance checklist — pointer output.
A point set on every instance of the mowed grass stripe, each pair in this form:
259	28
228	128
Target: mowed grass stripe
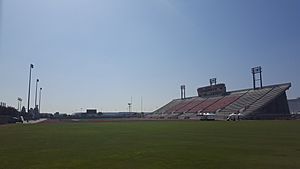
153	145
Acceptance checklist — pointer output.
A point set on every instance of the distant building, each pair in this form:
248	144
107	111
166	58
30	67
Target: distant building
294	105
119	115
91	111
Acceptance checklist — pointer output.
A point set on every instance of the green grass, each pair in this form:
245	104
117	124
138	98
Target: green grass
152	145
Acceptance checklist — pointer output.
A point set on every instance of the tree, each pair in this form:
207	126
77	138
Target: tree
23	110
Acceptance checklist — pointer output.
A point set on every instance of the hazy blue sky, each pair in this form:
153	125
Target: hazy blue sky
99	53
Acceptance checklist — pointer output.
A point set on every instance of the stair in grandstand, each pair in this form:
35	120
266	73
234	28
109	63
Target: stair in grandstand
245	100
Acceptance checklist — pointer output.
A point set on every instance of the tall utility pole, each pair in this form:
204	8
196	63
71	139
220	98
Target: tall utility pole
40	97
142	104
36	87
131	104
28	101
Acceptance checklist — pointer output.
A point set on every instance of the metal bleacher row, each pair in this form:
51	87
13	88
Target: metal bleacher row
242	101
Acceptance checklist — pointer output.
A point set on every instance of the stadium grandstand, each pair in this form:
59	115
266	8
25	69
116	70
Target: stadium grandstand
215	103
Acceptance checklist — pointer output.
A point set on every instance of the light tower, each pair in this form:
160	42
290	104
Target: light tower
19	104
40	97
257	70
36	87
141	104
129	107
28	101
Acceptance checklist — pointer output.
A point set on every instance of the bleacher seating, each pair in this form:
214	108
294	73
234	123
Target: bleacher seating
200	107
276	91
220	104
180	104
167	106
247	99
191	104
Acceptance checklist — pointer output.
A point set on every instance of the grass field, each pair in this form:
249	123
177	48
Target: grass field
152	145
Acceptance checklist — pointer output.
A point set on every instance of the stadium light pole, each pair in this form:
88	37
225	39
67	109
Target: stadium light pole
142	104
21	104
260	76
40	97
28	101
129	107
131	104
18	104
36	87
